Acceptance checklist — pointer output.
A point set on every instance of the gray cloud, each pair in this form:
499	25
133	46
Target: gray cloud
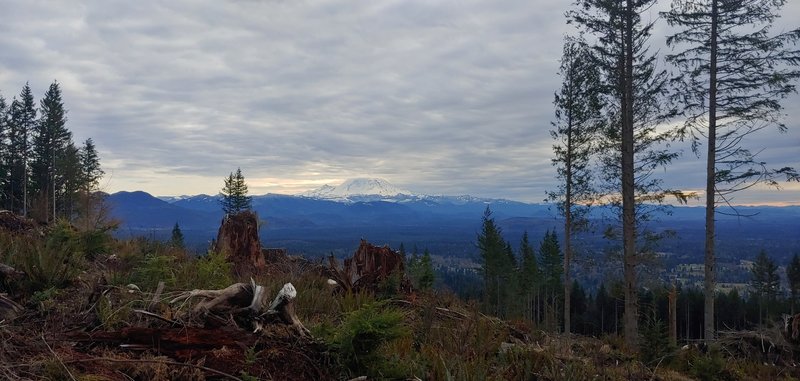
447	97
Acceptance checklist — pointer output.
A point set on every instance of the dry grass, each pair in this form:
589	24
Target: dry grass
442	337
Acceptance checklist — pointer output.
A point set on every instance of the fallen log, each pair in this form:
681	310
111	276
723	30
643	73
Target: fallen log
235	320
223	349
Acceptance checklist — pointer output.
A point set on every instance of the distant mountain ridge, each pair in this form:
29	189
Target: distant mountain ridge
332	220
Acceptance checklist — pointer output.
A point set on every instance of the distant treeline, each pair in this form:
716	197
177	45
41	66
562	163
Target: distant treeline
43	174
525	284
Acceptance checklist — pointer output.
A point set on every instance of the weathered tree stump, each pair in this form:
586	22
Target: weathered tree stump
369	266
238	240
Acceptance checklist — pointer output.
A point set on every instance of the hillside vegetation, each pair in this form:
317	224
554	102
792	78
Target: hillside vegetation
79	297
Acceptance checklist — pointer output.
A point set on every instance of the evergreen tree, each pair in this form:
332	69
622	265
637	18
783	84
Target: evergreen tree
234	194
578	308
23	121
552	270
730	310
413	267
605	307
492	257
426	274
793	277
734	73
50	141
551	262
528	268
578	115
90	173
529	275
655	341
634	94
177	237
68	180
765	280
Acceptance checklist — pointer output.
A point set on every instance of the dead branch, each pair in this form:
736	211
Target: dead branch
58	358
217	297
157	316
9	309
156	296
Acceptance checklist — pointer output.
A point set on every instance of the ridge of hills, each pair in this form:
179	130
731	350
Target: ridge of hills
447	225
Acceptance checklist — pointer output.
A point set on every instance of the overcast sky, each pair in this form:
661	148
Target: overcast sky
439	97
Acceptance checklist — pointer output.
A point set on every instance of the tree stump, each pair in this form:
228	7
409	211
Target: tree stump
369	266
238	240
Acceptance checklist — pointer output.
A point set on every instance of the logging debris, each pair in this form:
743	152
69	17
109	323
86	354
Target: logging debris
13	223
220	327
369	266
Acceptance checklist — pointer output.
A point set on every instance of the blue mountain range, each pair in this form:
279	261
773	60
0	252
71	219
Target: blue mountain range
447	225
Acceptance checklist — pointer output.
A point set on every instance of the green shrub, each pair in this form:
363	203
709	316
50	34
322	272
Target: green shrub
213	271
362	333
703	366
654	340
390	287
45	299
110	316
96	242
352	301
154	268
53	262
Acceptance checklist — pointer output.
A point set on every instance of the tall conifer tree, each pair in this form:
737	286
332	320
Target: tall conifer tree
578	116
492	256
631	152
50	141
734	73
89	181
23	121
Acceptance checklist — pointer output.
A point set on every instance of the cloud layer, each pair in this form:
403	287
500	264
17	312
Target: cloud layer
447	97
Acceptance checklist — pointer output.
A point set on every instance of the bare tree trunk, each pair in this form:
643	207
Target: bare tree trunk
628	188
673	316
568	229
710	270
25	185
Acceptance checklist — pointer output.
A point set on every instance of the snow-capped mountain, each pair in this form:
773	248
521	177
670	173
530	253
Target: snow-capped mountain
356	188
171	199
